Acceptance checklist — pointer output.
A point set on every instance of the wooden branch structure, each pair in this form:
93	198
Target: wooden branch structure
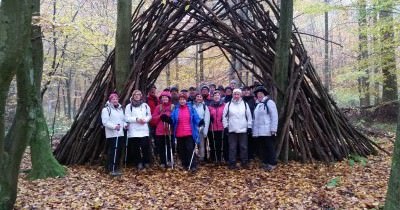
312	128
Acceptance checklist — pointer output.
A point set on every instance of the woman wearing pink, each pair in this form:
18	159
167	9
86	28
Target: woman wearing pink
215	133
163	129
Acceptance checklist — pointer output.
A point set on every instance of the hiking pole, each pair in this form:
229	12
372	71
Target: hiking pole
170	146
166	147
115	153
194	149
215	149
126	148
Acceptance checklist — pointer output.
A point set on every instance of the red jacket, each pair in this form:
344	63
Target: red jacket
156	121
216	112
152	101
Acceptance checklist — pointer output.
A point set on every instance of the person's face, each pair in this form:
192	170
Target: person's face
114	100
228	92
232	85
260	96
199	98
212	89
137	96
186	93
246	92
192	92
204	92
164	99
152	91
174	93
237	96
182	101
217	97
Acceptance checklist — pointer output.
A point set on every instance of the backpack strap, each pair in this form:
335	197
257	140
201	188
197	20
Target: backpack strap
265	104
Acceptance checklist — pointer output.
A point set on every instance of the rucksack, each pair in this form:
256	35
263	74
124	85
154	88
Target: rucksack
99	121
245	108
265	104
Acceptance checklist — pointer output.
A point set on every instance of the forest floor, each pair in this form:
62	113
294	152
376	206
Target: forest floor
344	185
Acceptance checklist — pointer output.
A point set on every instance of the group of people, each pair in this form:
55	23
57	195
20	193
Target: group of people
216	122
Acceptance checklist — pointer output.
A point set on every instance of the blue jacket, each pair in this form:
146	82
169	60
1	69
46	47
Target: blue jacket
194	121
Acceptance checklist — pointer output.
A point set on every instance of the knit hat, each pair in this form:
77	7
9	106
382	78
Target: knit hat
165	93
174	89
260	89
205	87
112	95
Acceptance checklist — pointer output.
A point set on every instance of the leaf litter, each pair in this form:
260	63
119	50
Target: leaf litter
290	186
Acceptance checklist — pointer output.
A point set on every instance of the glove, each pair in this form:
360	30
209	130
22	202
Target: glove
211	119
249	131
164	118
201	123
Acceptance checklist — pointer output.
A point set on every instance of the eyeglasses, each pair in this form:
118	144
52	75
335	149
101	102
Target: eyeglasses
137	94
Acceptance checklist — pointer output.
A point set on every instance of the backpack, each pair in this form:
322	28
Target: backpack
245	108
99	121
265	104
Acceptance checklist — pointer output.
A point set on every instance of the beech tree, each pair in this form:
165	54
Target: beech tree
15	59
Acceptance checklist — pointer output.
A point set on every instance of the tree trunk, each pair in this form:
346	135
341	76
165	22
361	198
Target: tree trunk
43	162
363	80
201	63
281	61
327	77
123	43
388	56
168	75
15	56
196	63
176	70
393	192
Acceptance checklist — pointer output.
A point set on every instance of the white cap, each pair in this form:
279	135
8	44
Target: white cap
237	90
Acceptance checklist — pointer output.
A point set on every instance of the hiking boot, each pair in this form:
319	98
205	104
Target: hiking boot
162	166
269	167
232	167
146	165
193	170
140	166
115	173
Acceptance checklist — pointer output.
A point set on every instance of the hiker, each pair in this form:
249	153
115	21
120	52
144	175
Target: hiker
174	95
228	94
205	92
163	128
186	122
233	84
237	122
138	115
204	114
192	94
212	87
248	97
215	135
152	101
265	126
112	118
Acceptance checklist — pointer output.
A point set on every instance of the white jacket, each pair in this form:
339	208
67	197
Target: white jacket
265	123
204	113
111	117
236	119
132	114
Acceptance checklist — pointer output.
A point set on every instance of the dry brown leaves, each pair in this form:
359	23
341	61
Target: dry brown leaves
290	186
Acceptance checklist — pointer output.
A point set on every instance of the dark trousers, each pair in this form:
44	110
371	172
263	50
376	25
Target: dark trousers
139	150
236	139
252	147
163	148
114	150
267	145
225	146
185	150
216	139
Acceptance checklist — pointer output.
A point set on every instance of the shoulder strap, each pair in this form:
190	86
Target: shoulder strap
245	109
227	112
109	111
266	105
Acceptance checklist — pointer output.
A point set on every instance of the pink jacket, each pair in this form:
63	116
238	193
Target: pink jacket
184	127
216	112
156	121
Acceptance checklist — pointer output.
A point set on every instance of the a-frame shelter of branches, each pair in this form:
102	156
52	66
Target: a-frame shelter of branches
311	125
